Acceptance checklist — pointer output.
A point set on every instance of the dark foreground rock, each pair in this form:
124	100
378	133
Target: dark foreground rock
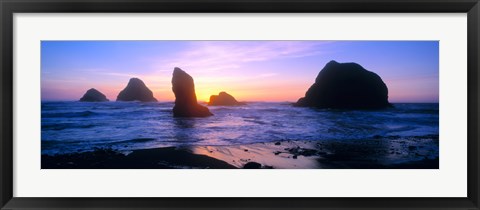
252	165
136	90
159	158
346	86
186	104
93	95
223	99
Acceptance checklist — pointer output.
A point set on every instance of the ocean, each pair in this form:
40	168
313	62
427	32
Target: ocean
70	127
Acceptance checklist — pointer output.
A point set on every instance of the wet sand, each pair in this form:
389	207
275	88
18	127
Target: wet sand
382	153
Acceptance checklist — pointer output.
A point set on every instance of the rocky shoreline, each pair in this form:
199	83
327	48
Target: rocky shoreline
378	153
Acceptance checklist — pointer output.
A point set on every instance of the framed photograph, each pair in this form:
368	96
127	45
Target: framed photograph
239	105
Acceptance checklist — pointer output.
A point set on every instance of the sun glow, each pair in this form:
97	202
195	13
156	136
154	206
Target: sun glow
203	97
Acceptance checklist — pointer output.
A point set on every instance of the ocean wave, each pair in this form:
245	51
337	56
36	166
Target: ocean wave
57	142
270	110
109	108
416	111
136	125
260	122
69	114
63	126
135	140
396	137
223	108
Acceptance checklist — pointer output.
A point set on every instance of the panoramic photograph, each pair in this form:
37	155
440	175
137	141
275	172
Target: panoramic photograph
240	104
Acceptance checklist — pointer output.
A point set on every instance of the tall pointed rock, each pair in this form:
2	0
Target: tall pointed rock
186	104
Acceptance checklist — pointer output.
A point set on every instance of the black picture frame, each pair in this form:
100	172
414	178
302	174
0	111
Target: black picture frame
9	7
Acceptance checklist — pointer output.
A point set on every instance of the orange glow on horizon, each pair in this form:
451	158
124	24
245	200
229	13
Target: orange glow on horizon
268	90
205	87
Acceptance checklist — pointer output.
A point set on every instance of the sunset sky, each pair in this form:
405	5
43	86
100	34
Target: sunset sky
248	70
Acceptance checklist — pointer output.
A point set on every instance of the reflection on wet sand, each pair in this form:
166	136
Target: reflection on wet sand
394	152
269	155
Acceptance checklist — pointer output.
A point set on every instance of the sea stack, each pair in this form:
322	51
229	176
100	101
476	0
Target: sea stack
223	99
186	104
346	86
93	95
136	90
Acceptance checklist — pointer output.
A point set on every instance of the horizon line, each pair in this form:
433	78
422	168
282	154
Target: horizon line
62	100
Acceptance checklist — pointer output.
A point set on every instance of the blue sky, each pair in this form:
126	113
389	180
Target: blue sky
249	70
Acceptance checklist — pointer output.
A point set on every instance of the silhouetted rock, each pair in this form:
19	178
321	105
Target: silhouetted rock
252	165
136	90
186	104
93	95
223	99
346	86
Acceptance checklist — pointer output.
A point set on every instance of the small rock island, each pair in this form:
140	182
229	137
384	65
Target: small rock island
136	90
223	99
346	86
186	104
93	95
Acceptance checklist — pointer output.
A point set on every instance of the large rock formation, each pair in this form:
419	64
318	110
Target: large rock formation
223	99
346	86
93	95
136	90
186	104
